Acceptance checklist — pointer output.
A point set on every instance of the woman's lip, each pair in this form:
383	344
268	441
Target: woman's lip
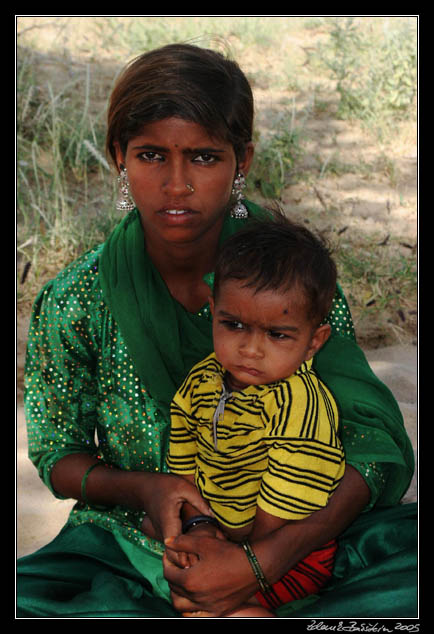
174	216
176	211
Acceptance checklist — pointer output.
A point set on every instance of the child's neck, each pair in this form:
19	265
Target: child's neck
233	385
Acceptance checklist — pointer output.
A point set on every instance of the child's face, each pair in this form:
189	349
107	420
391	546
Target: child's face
262	337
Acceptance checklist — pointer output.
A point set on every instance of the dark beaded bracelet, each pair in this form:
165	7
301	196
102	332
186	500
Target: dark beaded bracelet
198	519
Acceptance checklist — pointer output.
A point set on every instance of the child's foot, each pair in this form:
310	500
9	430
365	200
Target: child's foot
244	612
251	612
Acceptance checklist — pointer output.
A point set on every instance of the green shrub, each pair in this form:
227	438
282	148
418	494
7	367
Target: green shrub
375	72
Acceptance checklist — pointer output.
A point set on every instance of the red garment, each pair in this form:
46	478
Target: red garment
307	577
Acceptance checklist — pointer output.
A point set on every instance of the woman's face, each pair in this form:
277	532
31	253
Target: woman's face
181	180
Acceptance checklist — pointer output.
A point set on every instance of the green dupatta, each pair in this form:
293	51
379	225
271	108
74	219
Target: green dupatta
165	341
163	338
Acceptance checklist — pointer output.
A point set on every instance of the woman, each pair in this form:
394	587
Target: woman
114	335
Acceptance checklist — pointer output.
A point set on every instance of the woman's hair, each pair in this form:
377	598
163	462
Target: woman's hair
186	81
278	254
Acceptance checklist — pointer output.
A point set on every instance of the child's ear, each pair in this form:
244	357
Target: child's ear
319	337
211	305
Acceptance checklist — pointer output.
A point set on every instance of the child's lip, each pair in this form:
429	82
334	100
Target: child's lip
249	370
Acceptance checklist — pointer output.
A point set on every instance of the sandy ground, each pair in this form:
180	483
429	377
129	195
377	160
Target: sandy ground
40	516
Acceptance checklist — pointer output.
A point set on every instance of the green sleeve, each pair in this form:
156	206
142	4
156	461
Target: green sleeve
60	385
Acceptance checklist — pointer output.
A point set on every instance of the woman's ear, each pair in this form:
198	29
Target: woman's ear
245	164
120	159
211	305
319	337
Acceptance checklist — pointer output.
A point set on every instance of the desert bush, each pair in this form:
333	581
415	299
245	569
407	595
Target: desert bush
375	70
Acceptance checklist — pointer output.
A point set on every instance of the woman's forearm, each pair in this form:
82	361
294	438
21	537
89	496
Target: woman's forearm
160	495
105	486
296	540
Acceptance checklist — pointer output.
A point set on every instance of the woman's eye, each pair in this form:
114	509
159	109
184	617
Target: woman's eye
205	158
151	157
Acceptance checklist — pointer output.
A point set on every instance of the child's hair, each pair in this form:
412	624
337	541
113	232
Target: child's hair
278	254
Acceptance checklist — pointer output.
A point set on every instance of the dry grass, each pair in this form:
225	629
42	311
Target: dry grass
353	178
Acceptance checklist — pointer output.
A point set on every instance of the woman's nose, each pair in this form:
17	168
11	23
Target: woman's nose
176	182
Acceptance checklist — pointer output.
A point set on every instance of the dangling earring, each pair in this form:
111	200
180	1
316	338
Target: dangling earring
124	201
239	210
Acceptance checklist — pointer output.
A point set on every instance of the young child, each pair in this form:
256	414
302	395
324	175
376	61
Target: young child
253	426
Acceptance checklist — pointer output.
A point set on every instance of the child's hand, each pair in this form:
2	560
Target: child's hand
179	558
206	530
186	560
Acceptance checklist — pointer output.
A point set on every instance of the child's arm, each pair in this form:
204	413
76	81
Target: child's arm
264	524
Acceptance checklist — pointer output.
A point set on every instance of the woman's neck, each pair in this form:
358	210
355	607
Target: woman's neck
185	261
182	269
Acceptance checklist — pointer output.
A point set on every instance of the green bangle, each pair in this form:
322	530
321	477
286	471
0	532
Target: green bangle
260	577
84	481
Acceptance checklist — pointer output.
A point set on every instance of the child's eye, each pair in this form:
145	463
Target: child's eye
232	325
277	335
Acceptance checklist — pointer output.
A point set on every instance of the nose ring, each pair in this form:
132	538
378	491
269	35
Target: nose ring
190	187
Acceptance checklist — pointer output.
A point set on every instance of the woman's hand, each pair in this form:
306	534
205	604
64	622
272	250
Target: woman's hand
164	498
219	581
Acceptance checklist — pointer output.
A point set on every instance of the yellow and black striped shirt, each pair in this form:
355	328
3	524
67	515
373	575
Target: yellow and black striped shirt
276	445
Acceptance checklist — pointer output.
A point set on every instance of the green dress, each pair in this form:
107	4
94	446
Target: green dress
107	348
